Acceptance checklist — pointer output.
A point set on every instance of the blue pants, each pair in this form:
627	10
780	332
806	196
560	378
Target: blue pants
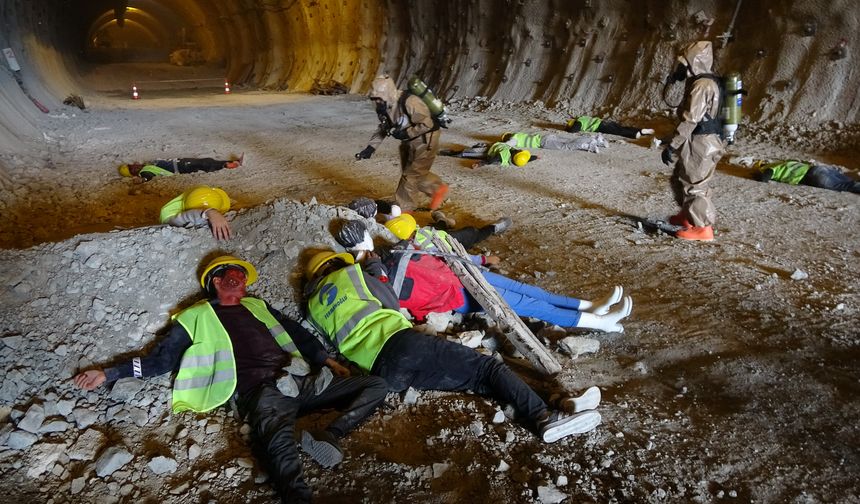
529	301
830	177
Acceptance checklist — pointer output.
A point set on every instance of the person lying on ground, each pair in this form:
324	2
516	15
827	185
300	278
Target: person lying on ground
812	174
360	316
231	345
588	124
554	142
499	153
169	167
405	228
426	284
199	207
467	235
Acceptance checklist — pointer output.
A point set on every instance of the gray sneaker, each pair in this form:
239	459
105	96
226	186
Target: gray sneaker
558	425
502	225
322	447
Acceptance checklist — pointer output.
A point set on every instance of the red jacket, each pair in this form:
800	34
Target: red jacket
424	284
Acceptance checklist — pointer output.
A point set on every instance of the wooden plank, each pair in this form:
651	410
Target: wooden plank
496	307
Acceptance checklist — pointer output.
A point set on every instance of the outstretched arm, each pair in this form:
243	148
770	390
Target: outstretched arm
164	358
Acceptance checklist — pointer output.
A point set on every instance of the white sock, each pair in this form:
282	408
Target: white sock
608	322
601	306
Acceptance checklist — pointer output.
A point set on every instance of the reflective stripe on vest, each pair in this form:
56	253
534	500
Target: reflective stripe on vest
502	150
155	171
173	208
424	238
589	124
526	141
788	172
207	371
343	309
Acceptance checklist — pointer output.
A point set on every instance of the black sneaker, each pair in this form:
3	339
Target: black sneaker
323	447
502	225
558	425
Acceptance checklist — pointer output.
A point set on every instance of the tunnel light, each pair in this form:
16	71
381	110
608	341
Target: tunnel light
226	87
134	94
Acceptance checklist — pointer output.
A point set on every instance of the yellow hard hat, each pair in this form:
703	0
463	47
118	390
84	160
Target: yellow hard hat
402	226
250	270
320	258
522	157
123	170
206	197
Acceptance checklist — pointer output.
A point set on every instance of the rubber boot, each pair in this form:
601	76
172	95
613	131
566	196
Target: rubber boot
696	233
610	321
438	196
601	306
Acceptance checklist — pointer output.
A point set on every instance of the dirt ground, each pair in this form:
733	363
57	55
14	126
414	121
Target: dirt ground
736	376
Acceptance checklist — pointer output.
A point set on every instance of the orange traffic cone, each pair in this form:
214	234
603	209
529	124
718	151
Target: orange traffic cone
226	87
134	93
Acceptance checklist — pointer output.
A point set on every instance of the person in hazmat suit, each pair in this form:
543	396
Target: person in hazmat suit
696	146
405	117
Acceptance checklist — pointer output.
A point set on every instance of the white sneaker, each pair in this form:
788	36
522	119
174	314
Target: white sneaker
589	400
558	425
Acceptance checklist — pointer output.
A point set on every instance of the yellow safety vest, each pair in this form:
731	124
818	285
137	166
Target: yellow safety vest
207	372
526	141
173	208
342	308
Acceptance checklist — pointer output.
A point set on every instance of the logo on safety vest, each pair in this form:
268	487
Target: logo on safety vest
329	291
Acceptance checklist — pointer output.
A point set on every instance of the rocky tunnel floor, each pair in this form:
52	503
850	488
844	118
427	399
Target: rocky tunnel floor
735	379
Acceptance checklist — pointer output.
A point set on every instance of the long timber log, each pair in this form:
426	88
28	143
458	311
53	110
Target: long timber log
496	307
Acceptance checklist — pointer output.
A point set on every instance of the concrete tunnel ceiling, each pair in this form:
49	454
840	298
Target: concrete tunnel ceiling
608	56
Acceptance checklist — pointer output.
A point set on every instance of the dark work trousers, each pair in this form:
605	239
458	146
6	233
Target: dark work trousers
613	128
190	165
412	359
272	417
469	236
610	128
830	177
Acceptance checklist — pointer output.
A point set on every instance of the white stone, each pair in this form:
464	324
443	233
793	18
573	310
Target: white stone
503	466
43	457
112	460
577	345
411	396
54	426
85	417
194	451
499	417
78	484
20	440
471	339
477	429
561	481
162	465
438	322
439	469
33	419
550	495
125	389
799	275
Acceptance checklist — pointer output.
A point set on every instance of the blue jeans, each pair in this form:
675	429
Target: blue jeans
529	301
830	177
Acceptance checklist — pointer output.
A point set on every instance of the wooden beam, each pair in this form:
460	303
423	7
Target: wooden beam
496	307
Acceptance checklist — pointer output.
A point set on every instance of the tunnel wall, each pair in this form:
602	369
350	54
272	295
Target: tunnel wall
607	56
